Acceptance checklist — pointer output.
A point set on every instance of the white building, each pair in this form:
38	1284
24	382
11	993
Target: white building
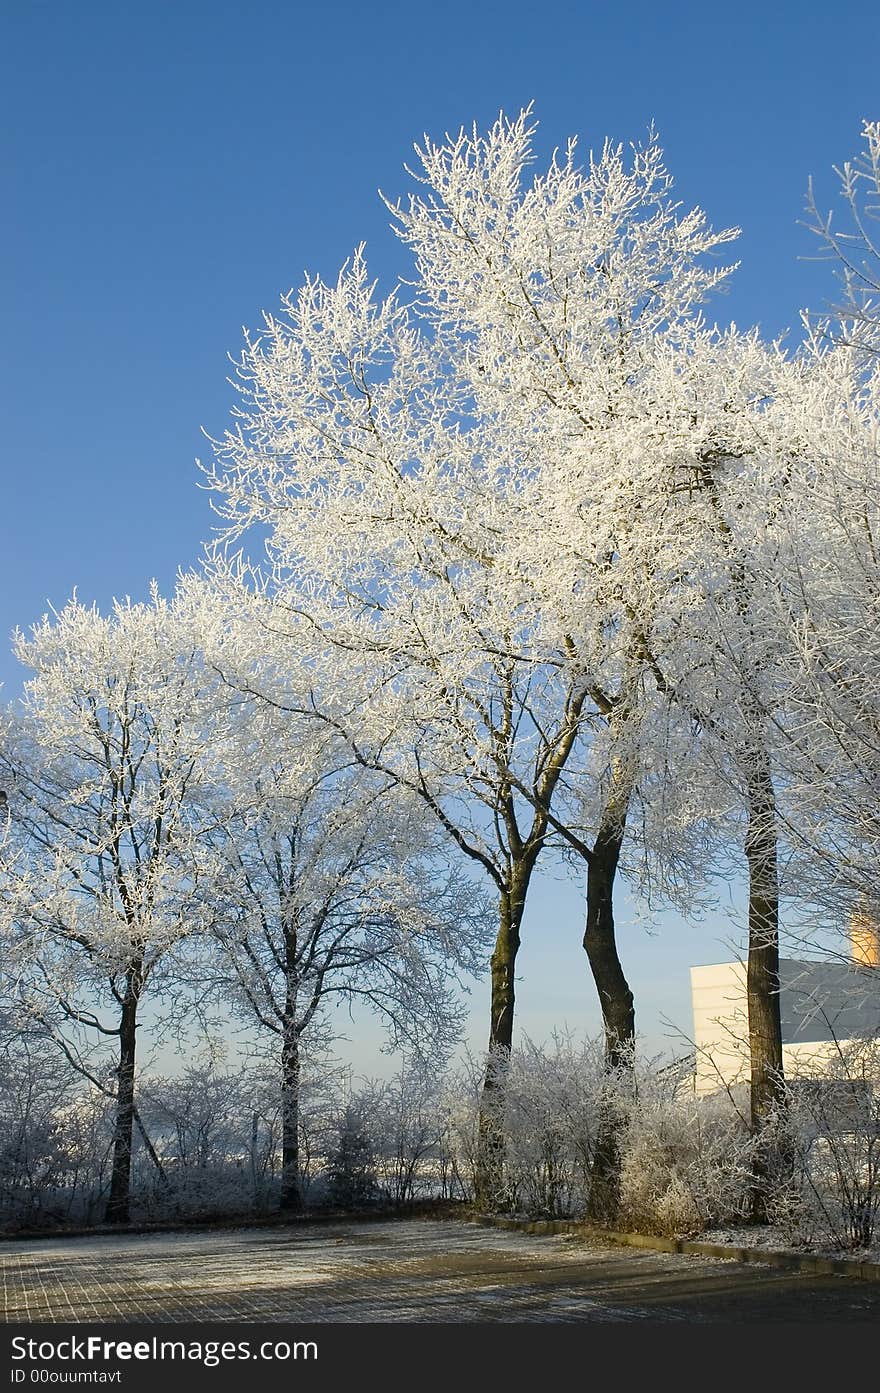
821	1004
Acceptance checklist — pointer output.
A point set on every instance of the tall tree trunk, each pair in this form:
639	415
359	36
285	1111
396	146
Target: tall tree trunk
291	1181
767	1086
120	1179
616	999
490	1143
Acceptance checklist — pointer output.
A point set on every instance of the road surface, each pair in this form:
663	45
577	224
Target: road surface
403	1271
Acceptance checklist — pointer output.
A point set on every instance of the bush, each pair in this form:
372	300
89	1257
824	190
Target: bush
832	1121
551	1114
686	1161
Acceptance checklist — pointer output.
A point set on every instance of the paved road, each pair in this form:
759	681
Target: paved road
416	1271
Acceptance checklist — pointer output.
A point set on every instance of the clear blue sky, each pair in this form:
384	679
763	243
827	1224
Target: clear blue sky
170	168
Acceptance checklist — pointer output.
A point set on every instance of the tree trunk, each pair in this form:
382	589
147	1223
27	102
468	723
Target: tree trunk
767	1087
291	1183
490	1143
616	999
120	1180
767	1084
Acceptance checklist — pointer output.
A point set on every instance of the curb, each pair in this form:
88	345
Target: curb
764	1257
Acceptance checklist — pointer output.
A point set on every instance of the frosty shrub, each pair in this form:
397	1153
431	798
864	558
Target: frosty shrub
206	1123
407	1125
460	1100
31	1152
55	1140
685	1159
86	1125
551	1111
832	1197
213	1191
194	1118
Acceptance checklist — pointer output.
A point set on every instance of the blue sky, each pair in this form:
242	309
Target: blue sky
170	168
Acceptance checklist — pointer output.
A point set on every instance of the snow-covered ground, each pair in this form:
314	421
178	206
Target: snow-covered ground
765	1236
414	1271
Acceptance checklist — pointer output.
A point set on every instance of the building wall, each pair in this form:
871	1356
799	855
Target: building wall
820	1003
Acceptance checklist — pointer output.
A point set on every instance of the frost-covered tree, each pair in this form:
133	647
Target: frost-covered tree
414	673
329	891
660	458
104	763
415	463
832	581
775	655
828	600
855	247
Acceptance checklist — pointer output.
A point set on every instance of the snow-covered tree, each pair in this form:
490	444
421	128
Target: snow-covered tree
104	764
329	892
415	463
828	600
775	656
855	247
